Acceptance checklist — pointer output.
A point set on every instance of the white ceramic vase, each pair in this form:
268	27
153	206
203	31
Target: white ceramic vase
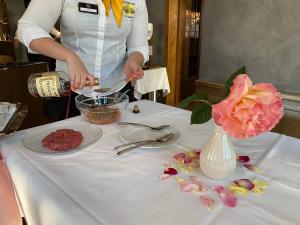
218	158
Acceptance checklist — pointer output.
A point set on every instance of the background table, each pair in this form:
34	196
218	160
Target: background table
155	78
95	186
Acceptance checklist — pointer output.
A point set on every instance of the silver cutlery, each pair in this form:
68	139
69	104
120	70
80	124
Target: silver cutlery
106	89
137	144
144	125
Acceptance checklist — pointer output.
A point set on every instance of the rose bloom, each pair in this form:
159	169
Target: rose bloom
249	109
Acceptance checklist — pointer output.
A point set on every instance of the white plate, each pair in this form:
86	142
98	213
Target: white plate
134	133
33	140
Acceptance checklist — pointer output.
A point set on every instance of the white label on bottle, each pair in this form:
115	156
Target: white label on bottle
47	86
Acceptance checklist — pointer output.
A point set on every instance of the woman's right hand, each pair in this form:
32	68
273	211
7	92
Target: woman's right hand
78	73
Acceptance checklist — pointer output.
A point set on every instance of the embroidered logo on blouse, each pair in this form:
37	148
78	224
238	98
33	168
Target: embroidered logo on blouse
129	9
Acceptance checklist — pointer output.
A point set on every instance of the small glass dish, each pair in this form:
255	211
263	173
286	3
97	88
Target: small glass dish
102	109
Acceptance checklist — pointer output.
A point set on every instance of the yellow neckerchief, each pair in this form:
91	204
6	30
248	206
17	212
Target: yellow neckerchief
117	8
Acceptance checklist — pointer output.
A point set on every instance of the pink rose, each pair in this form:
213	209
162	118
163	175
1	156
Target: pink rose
249	109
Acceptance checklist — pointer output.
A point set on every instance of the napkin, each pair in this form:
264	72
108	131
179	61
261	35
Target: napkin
6	112
153	80
9	210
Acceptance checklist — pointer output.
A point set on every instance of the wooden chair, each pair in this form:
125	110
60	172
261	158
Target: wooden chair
7	52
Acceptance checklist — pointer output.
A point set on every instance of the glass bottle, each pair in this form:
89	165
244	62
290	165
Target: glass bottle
51	84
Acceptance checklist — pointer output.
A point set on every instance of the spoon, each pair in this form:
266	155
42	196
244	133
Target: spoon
105	89
161	127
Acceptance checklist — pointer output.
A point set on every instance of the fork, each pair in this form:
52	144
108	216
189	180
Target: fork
161	127
137	144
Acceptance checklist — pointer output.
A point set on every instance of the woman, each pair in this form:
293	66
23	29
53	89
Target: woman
94	37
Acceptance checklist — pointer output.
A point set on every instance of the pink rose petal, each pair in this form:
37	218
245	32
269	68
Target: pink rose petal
243	159
228	198
246	183
179	156
208	202
165	176
187	186
252	168
187	160
218	189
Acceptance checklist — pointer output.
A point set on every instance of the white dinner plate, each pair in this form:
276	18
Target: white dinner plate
133	133
33	140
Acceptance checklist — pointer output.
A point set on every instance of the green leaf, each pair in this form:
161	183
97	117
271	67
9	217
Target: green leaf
201	113
229	81
185	103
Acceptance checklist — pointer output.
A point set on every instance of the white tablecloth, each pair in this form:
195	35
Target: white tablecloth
154	79
95	186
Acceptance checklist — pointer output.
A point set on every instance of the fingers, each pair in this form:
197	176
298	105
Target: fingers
134	72
79	81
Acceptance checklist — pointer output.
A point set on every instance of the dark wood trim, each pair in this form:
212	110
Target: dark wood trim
172	15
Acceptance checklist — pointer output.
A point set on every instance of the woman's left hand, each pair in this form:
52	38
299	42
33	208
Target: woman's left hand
133	67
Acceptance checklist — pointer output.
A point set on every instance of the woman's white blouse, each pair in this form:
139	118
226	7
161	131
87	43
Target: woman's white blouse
95	38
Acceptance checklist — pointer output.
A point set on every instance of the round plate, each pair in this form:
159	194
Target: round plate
134	133
90	133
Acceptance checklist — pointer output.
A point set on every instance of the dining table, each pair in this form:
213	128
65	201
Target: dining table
94	185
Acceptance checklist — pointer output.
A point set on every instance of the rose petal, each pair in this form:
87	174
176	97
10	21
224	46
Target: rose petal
187	160
260	184
243	159
180	180
218	189
252	168
228	198
238	190
208	202
198	152
187	186
195	163
246	183
179	156
165	176
170	171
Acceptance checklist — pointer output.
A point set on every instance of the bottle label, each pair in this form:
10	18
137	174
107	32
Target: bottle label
48	86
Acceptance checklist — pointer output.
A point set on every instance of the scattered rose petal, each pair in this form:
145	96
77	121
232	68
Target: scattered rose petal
228	198
258	190
180	180
179	156
187	160
238	190
218	189
187	186
170	171
252	168
246	183
192	154
261	184
243	159
165	176
195	163
208	202
198	152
